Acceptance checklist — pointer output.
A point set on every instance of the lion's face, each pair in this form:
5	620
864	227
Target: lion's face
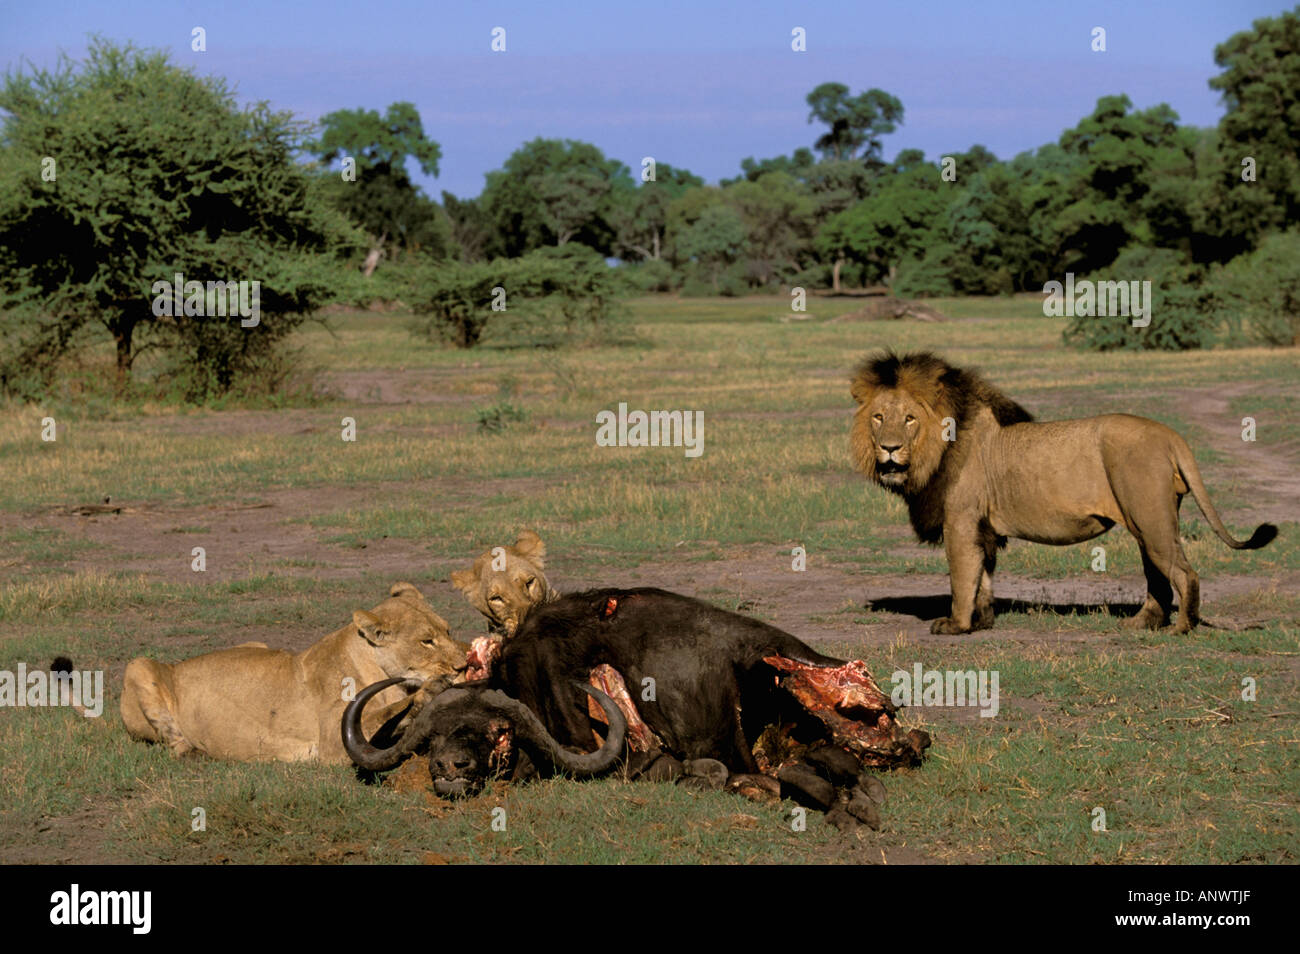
505	583
897	439
408	638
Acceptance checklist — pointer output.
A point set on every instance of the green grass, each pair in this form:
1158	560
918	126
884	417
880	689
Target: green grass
45	547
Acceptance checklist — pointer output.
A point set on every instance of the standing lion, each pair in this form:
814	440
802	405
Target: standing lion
975	469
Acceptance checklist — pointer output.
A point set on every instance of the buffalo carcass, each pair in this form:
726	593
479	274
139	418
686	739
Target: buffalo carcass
711	687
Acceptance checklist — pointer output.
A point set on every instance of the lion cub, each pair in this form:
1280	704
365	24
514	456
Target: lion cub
505	583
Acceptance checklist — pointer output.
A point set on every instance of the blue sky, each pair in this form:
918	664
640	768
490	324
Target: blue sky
700	85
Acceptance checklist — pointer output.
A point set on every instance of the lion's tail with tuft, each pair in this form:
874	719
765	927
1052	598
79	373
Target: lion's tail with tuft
1191	474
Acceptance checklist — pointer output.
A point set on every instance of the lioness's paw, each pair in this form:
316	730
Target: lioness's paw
948	627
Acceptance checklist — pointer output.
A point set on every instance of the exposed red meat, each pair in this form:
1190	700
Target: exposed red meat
500	756
857	712
482	651
640	737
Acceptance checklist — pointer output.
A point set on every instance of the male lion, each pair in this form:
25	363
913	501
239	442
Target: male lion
976	469
505	583
251	703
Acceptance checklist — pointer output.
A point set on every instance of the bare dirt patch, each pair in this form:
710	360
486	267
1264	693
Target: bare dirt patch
76	838
248	538
396	386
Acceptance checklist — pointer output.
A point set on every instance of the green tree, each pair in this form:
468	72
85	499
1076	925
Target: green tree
856	122
778	217
157	172
990	246
382	199
549	192
471	231
571	200
1260	84
796	165
639	214
715	240
834	185
897	222
682	214
1117	149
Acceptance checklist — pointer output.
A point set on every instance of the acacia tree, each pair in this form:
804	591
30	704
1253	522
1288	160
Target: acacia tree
150	170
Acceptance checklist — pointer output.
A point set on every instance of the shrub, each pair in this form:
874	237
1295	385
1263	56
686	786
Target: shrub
1185	312
499	416
571	284
1261	291
652	275
927	278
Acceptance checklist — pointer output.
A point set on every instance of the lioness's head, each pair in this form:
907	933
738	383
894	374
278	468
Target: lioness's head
911	409
505	583
407	637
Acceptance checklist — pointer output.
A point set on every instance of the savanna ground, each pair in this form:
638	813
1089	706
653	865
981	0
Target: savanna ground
300	528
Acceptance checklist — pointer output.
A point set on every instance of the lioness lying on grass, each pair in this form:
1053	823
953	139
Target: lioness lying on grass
251	703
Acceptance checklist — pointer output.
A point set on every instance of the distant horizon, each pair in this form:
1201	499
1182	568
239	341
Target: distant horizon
699	86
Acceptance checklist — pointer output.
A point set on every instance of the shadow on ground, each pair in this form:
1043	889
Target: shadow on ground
939	605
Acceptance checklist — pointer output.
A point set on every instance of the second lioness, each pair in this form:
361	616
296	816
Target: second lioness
506	583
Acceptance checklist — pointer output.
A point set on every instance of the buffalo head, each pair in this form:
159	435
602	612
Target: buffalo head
472	733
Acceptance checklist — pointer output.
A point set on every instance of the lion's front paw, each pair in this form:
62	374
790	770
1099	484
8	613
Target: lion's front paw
948	627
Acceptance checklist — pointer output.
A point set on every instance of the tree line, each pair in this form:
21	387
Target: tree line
126	169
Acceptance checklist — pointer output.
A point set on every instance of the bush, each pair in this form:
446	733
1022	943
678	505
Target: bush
1185	311
498	417
571	284
817	275
927	278
730	283
1261	291
652	275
